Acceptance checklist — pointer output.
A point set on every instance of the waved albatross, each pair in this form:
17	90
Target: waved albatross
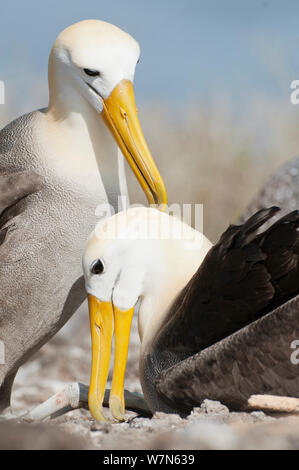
214	322
70	146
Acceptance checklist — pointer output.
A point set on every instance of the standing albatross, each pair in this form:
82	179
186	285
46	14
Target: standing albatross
69	145
215	322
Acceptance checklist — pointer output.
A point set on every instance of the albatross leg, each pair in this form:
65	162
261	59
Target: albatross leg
5	392
75	396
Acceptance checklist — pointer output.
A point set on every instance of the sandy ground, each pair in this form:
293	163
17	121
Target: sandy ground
66	359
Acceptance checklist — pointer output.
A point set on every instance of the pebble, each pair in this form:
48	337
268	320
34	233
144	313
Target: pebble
169	419
139	423
101	427
214	407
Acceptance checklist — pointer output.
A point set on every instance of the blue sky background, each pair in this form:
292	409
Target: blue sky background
192	50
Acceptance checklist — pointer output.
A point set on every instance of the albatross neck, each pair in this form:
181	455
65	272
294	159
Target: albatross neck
174	266
79	142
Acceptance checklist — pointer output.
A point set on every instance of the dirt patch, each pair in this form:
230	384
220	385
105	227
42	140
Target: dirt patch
67	359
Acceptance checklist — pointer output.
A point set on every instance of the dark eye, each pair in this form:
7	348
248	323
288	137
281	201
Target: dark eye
97	267
91	73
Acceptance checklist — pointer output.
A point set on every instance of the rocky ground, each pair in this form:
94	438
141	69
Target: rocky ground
67	359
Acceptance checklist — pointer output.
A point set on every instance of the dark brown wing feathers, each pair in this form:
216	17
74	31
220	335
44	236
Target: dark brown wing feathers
244	276
254	360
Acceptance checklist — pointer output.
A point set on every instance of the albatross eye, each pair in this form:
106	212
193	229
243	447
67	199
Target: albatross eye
91	73
97	267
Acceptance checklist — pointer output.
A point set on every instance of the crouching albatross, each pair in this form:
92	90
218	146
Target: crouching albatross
214	322
70	146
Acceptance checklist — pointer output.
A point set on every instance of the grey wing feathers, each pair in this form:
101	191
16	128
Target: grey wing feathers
15	187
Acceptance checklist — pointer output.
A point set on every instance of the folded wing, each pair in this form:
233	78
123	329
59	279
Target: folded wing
245	276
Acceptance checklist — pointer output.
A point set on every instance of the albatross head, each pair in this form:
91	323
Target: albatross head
143	254
96	61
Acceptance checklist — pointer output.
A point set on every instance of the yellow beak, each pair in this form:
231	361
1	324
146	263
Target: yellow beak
104	317
121	117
